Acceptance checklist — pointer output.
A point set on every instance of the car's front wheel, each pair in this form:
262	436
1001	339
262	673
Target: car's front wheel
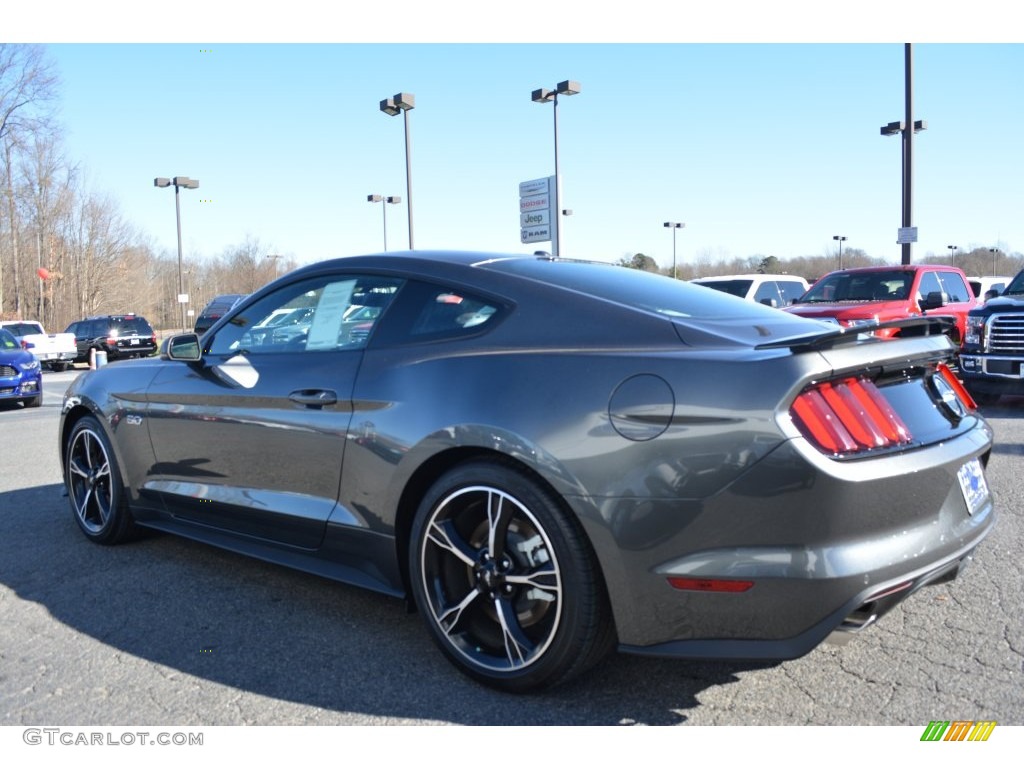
506	580
94	486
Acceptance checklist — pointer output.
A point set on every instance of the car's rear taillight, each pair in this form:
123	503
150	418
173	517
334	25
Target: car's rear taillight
848	416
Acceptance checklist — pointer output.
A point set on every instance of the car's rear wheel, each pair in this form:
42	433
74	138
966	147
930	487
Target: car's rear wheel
506	580
94	486
58	367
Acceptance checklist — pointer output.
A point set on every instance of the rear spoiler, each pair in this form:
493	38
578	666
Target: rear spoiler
926	325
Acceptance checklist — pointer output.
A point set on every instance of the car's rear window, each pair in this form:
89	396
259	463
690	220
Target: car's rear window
635	288
733	287
23	329
130	325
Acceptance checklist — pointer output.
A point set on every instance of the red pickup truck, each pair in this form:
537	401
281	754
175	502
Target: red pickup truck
863	295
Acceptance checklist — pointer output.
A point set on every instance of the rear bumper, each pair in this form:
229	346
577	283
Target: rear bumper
829	546
838	627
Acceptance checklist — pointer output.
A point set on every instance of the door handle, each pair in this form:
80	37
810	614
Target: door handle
314	398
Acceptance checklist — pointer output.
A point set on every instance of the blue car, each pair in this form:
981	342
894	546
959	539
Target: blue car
21	378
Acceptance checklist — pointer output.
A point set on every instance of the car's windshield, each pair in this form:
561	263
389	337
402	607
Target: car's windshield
635	288
23	329
860	286
1016	286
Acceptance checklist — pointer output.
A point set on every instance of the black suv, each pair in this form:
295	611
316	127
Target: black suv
992	356
120	336
215	310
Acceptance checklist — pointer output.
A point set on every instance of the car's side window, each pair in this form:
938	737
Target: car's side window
320	314
954	287
929	284
767	291
452	313
791	291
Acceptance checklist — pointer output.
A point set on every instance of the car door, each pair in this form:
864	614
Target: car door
251	438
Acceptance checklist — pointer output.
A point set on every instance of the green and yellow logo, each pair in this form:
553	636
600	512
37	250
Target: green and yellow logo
958	730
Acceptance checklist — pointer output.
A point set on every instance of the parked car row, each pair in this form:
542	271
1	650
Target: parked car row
54	350
986	313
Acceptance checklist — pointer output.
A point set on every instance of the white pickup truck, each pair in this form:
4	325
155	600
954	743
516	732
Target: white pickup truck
54	350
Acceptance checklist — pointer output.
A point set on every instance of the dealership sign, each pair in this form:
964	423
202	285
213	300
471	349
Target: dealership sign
536	206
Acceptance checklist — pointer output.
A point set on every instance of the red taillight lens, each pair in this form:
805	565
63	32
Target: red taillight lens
847	417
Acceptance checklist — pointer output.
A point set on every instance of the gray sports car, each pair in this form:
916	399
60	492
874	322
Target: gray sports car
550	458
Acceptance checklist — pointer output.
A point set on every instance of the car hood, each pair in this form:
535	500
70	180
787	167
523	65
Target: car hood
15	357
850	310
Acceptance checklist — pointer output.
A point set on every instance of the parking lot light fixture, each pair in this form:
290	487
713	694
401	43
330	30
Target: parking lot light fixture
179	182
674	226
952	254
393	200
907	128
542	96
401	103
993	251
840	238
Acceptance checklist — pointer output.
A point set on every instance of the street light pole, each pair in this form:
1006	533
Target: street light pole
392	199
187	183
993	251
674	225
907	128
840	238
542	96
952	255
276	257
403	102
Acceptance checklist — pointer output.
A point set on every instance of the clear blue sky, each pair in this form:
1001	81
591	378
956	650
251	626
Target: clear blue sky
759	147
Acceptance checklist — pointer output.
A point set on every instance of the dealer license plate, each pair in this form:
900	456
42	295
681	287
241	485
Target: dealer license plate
973	485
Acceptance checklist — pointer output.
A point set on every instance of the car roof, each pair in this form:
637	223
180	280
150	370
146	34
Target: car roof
755	276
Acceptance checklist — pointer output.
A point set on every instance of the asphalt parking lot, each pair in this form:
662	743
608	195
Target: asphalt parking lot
170	632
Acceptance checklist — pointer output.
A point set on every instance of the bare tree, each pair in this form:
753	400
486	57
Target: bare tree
27	87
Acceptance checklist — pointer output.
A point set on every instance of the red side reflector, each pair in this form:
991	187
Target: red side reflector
709	585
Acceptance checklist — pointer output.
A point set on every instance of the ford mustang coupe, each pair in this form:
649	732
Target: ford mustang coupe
550	459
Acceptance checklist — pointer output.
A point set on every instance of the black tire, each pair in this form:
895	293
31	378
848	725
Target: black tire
95	491
34	402
58	367
506	580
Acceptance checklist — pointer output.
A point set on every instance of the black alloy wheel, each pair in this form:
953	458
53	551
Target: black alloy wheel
93	480
506	580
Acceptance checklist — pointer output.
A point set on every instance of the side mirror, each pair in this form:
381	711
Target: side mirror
991	294
184	347
770	302
932	301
